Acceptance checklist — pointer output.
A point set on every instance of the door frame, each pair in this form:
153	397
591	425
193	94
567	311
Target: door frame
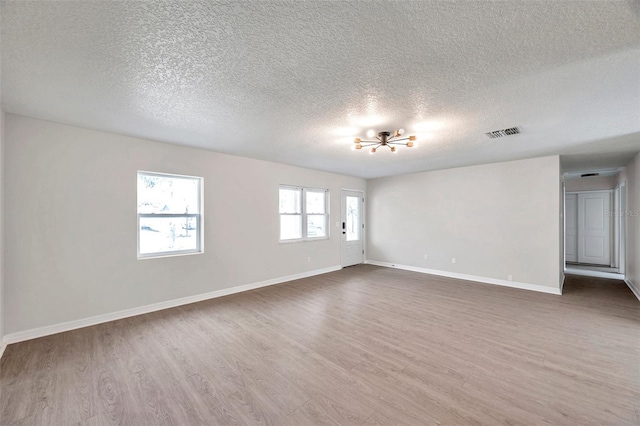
565	239
622	217
364	226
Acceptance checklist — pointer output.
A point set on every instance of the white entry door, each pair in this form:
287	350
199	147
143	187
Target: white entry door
351	228
594	228
571	227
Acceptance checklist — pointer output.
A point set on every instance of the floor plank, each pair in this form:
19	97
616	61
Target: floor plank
361	346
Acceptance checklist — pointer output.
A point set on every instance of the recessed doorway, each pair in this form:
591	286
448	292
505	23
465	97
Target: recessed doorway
594	226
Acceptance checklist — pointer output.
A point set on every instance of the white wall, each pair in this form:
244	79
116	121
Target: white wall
633	222
496	220
598	183
622	177
71	223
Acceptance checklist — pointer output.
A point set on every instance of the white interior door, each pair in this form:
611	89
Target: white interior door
594	228
571	227
351	227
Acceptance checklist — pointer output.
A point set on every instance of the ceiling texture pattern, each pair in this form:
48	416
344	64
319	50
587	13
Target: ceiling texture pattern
295	82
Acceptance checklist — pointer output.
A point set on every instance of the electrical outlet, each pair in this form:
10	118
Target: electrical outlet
453	260
426	256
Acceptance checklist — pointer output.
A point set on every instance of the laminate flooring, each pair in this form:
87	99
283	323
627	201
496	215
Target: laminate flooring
362	346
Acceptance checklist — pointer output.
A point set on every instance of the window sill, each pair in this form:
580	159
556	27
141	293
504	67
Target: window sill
307	240
157	256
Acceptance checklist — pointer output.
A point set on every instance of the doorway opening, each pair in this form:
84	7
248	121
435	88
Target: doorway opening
595	229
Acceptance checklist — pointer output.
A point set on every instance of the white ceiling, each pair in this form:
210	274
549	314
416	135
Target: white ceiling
294	82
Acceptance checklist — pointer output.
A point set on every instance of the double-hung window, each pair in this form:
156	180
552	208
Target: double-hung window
169	214
304	213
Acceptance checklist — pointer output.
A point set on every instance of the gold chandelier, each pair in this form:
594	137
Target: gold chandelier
384	139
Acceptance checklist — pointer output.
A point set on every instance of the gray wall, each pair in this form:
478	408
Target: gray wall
496	220
71	223
2	313
2	218
561	262
633	222
598	183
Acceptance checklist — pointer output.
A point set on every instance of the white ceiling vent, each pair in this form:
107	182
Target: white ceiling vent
504	132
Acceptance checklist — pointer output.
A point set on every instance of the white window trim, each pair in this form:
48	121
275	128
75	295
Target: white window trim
199	239
304	214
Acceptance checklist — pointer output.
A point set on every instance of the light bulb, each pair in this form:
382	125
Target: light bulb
356	140
393	149
400	131
371	133
412	138
409	144
358	146
373	151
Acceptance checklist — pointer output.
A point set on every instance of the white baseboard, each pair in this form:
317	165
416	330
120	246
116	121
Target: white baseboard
505	283
3	346
98	319
634	288
564	278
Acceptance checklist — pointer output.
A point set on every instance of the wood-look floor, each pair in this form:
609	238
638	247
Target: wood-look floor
362	346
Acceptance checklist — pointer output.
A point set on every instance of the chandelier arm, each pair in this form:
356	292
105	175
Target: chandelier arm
369	143
402	139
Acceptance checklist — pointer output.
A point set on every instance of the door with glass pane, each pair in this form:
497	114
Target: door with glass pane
351	227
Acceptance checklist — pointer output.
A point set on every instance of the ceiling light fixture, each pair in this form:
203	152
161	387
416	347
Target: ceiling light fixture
385	139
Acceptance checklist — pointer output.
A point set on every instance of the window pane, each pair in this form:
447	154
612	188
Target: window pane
162	234
290	201
315	202
167	194
290	227
316	226
353	218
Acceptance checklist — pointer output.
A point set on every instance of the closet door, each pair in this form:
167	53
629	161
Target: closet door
594	228
571	227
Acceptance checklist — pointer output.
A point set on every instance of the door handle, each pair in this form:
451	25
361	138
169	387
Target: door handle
343	228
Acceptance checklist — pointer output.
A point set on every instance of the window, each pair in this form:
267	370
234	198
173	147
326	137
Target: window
169	214
303	213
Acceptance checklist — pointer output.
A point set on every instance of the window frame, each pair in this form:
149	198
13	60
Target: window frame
198	216
303	213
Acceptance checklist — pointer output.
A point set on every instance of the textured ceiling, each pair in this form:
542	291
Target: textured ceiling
294	82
